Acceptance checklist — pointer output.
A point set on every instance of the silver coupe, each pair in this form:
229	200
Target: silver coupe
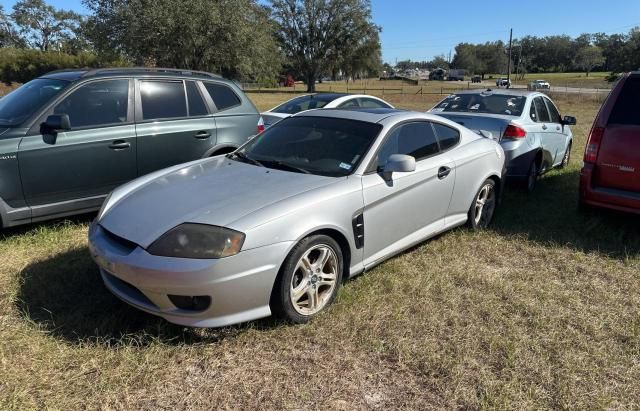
277	225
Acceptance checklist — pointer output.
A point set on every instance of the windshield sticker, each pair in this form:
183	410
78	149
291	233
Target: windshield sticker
345	166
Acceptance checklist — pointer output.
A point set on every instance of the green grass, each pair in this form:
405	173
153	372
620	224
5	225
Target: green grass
540	311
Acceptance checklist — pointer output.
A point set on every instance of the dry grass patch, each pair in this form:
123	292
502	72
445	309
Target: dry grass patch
538	312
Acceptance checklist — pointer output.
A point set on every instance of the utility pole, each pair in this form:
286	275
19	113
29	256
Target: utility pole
509	62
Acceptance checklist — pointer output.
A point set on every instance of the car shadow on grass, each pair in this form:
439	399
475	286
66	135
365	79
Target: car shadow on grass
65	297
550	216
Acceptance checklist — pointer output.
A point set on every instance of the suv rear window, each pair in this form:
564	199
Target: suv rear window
627	107
223	97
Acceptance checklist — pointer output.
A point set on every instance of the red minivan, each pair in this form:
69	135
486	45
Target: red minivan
610	176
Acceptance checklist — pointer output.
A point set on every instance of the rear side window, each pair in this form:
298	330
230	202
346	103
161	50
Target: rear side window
553	112
197	107
415	139
162	99
541	110
447	136
350	104
371	103
223	97
627	107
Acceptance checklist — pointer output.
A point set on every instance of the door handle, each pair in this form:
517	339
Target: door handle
544	126
443	172
202	135
119	145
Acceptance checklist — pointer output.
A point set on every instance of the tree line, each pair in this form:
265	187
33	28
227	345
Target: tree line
240	39
614	53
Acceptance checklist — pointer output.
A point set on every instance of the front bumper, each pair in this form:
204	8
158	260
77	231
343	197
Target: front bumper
239	286
613	199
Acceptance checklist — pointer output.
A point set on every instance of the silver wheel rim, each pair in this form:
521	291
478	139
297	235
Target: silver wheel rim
485	205
314	279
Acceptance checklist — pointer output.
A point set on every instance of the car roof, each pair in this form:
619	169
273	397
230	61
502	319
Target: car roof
372	115
502	91
76	74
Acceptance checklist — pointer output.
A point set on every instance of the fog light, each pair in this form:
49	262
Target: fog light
191	302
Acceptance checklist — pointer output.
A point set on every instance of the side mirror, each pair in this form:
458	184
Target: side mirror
569	121
398	163
57	122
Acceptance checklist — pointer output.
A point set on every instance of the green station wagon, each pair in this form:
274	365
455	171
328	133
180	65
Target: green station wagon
69	137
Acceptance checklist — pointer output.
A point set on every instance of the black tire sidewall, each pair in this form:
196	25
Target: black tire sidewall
281	304
472	209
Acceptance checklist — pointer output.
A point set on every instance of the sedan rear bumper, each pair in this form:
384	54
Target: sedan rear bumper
238	287
614	199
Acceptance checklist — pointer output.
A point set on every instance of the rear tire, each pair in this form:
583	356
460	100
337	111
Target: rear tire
532	177
309	279
483	206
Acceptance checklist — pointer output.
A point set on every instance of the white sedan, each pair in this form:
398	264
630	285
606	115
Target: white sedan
321	100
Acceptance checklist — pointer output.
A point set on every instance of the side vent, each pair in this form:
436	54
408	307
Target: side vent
358	230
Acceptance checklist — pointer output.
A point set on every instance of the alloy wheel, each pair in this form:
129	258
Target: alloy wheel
485	206
314	280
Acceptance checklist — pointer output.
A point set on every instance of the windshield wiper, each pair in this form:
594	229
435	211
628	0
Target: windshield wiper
242	156
284	166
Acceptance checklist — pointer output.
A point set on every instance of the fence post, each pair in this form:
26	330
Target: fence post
383	90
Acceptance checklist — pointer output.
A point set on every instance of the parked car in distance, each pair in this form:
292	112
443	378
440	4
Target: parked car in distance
538	85
503	82
476	79
527	124
68	138
321	100
277	225
610	176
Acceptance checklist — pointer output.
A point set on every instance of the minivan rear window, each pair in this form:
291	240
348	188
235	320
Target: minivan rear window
627	107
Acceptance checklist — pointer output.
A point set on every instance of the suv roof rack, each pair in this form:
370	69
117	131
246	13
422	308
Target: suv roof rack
150	70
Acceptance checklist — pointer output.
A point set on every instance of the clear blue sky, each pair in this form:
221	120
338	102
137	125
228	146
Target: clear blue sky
421	29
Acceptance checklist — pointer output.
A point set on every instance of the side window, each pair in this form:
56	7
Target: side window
162	99
532	112
447	136
197	107
350	104
541	109
97	104
414	139
553	112
371	103
223	97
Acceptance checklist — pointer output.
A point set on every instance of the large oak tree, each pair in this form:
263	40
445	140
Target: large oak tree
318	36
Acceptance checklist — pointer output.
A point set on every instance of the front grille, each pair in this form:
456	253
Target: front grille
121	242
128	290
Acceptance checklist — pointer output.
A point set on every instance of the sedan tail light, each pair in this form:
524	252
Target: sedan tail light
593	145
260	125
513	131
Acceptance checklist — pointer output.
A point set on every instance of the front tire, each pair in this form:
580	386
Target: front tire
567	157
309	279
483	207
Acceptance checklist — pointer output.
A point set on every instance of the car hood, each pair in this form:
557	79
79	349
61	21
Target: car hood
216	191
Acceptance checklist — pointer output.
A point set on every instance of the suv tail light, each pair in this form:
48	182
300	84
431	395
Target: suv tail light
513	131
593	144
260	125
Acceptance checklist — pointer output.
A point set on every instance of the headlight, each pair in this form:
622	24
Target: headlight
198	241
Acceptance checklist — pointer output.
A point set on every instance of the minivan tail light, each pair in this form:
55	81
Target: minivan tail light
260	125
593	145
513	131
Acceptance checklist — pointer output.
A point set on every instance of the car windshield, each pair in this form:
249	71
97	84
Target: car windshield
21	103
312	145
482	103
302	103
